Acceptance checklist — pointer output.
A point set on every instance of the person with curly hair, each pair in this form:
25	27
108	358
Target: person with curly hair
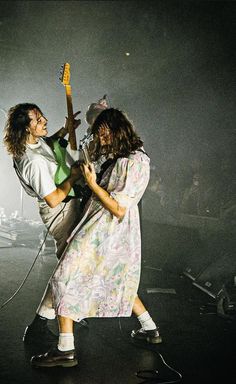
99	272
36	166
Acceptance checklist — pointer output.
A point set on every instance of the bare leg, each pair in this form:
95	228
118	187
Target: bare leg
66	335
138	307
66	324
148	331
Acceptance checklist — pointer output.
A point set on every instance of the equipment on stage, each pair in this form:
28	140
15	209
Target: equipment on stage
7	236
64	149
212	269
42	243
15	231
65	79
65	154
84	143
226	300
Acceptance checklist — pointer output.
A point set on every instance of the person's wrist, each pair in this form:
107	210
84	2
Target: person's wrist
73	178
91	183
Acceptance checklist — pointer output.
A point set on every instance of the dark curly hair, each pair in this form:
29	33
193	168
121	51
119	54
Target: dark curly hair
124	138
16	128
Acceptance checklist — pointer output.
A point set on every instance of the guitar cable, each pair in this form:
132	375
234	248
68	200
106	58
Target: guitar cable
31	267
151	375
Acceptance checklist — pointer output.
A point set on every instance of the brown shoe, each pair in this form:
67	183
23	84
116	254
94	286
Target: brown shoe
55	358
151	337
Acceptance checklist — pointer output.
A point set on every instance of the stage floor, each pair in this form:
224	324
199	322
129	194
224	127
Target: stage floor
196	341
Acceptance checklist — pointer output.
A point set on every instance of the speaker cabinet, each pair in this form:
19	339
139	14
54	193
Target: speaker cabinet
217	274
226	300
212	263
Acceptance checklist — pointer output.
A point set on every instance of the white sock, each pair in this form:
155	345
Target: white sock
146	321
66	342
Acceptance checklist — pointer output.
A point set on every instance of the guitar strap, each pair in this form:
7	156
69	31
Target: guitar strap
28	189
63	171
104	167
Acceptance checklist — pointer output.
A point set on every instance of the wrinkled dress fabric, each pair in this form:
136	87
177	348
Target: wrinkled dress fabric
99	272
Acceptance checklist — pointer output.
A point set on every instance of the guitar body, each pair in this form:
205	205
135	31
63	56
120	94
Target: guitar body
63	171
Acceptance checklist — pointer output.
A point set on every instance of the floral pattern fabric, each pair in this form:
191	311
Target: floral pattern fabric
99	272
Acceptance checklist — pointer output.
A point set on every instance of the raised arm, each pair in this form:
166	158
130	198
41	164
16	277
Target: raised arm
62	132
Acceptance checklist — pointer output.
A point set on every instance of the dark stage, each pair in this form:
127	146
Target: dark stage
170	65
197	341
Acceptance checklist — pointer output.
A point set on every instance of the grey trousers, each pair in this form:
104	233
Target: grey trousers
66	216
61	221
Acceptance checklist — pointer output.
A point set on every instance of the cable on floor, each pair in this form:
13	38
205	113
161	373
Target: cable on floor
31	267
152	376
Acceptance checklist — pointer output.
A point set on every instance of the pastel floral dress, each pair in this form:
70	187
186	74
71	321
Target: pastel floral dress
99	272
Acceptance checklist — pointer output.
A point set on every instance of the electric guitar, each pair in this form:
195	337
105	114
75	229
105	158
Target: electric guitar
84	143
65	79
60	146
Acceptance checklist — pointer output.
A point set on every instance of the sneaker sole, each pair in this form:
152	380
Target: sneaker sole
154	340
66	364
148	339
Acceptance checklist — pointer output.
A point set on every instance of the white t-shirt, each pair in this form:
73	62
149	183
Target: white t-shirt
38	167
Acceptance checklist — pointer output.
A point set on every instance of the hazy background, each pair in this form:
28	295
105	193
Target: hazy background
177	84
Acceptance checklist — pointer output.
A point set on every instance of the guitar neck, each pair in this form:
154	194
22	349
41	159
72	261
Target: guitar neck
72	136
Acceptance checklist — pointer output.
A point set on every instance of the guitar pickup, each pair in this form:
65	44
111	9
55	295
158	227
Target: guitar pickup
84	155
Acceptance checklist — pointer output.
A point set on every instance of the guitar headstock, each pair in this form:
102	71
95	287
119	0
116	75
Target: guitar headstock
65	74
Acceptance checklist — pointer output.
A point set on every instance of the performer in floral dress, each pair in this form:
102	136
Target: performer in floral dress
99	272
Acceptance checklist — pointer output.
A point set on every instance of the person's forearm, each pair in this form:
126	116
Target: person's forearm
65	187
107	201
61	192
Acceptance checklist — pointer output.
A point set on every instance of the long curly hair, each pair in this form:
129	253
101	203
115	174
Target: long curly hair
124	138
15	132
